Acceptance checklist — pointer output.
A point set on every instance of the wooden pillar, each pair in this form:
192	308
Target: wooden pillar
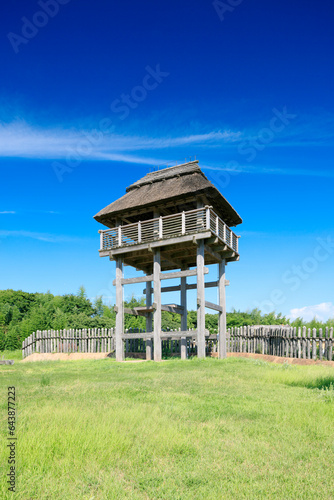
200	301
184	315
119	311
157	304
148	320
222	315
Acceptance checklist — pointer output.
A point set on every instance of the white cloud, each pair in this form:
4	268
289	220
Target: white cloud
322	312
19	139
257	169
50	238
8	212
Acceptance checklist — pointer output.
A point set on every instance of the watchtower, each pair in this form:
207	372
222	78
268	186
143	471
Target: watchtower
171	219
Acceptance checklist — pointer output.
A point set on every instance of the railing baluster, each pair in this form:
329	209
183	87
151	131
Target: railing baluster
139	232
183	229
207	217
160	228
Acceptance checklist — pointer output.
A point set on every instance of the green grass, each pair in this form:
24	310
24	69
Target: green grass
15	355
211	429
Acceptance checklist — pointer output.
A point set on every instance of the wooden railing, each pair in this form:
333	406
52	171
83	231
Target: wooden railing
169	226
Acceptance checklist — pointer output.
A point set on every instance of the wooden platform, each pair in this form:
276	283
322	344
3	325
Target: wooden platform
177	238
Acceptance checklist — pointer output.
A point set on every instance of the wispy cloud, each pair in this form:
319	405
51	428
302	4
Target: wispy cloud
47	237
322	312
258	169
13	212
20	140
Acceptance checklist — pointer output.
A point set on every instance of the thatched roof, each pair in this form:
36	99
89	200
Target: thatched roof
174	189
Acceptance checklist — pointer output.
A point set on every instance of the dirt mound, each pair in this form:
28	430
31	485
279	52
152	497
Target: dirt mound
61	356
279	359
64	356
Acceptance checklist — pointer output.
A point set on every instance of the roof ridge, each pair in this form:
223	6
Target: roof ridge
166	173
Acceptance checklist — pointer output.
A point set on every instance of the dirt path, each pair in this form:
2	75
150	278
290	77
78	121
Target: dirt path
279	359
60	356
101	355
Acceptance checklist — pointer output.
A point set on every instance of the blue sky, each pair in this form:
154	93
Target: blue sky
93	96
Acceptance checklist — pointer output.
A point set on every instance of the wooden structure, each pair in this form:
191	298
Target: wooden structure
168	222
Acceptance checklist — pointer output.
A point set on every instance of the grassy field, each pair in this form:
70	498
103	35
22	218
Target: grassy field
209	429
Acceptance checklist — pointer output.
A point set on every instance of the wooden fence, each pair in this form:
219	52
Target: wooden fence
274	340
282	341
103	340
85	340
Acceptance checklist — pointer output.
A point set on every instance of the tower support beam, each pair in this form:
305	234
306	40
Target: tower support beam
148	320
184	316
119	311
200	301
157	304
222	313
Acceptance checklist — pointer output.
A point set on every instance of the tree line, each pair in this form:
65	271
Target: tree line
22	313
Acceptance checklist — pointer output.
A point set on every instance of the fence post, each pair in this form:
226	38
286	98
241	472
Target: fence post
68	335
103	340
57	341
108	340
304	342
326	343
314	344
242	332
33	343
85	340
295	343
112	346
298	343
289	345
320	344
98	340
